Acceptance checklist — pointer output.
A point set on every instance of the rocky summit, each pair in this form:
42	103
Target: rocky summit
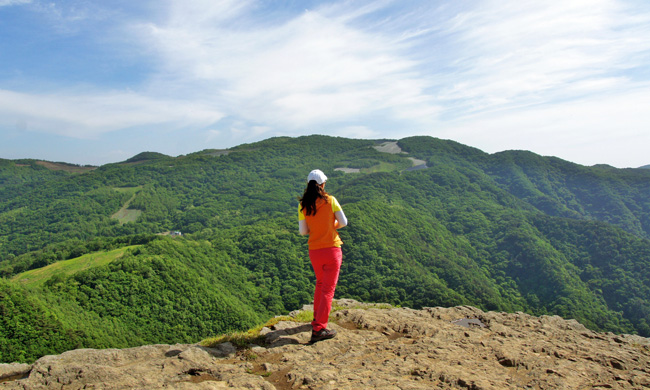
376	348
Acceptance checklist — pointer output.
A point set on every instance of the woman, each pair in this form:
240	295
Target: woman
319	215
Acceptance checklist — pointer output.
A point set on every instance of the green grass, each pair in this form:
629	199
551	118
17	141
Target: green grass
388	167
126	215
37	277
242	340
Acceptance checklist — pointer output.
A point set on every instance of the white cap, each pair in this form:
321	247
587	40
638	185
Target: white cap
317	175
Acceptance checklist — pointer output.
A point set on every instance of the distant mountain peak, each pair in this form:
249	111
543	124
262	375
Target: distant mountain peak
147	156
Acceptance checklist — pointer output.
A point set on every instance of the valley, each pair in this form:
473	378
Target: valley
83	264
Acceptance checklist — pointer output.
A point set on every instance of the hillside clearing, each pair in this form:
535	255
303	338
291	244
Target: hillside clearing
389	147
37	277
417	162
348	170
125	214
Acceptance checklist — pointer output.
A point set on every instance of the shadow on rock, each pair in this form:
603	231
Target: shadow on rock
284	333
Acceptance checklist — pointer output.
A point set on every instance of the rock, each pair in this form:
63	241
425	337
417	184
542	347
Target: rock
223	350
286	332
265	330
197	355
382	348
268	367
150	367
304	308
14	370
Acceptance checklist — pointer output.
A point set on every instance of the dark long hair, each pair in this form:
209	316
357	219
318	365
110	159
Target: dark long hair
312	193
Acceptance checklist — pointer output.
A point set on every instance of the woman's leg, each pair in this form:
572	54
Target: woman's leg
327	264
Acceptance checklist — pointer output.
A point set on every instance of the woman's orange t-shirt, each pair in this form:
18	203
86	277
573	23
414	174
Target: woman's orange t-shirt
322	233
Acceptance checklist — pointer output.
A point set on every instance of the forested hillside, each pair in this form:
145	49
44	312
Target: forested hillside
511	231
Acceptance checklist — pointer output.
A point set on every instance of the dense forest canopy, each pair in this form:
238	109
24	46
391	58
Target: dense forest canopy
86	259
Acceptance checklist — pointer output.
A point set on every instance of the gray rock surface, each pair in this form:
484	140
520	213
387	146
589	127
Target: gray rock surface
14	370
147	367
387	348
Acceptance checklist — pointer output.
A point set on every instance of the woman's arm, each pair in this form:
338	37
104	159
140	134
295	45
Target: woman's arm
341	220
303	228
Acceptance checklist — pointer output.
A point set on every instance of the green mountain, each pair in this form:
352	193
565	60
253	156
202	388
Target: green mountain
86	264
147	156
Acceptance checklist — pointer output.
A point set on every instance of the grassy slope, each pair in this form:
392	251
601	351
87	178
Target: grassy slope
166	291
36	277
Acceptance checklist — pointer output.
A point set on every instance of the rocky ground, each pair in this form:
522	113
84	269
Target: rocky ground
392	348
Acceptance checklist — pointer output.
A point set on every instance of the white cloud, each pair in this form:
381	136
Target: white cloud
88	115
310	70
321	68
244	132
495	74
4	3
362	132
211	135
597	129
511	53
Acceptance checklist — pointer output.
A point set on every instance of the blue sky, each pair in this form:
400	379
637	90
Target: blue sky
94	82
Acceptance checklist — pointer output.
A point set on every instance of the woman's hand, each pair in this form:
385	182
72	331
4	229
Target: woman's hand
341	220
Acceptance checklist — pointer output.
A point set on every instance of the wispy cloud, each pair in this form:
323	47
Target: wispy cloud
595	129
4	3
514	53
323	66
211	135
89	115
558	78
493	74
362	132
311	69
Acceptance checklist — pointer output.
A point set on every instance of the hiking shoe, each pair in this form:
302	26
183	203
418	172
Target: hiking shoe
322	334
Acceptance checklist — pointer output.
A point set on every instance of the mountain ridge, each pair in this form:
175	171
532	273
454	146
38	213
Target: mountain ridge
502	232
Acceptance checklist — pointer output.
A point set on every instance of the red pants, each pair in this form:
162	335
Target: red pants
326	263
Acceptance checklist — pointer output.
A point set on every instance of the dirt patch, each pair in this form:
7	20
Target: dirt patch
280	379
417	162
202	377
417	165
349	325
65	167
348	170
389	147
